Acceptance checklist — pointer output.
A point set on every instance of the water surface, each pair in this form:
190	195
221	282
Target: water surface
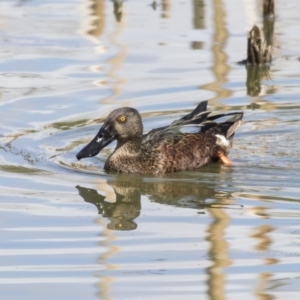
71	231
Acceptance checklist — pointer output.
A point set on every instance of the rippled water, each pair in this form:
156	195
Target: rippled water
71	231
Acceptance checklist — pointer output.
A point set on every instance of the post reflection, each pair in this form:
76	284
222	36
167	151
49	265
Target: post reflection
199	14
105	281
264	242
94	23
268	29
98	18
264	284
220	66
198	21
255	75
166	7
261	234
118	9
93	28
218	253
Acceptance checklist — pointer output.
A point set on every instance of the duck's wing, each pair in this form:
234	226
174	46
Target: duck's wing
199	120
197	116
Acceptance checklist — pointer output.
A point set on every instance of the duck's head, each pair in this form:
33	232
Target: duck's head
122	124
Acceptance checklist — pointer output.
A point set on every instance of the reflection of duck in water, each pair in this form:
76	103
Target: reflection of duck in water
188	143
121	213
128	191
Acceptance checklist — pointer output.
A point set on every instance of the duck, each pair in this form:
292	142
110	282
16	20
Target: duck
195	140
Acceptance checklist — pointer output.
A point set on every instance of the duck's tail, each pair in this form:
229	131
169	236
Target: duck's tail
210	121
224	131
226	128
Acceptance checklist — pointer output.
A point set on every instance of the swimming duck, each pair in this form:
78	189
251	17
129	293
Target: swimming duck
195	140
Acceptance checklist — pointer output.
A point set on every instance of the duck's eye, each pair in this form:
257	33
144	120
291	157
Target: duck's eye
122	119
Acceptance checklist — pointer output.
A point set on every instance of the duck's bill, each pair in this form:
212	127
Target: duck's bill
101	140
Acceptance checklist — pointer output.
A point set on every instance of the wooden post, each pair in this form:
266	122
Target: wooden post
258	52
268	8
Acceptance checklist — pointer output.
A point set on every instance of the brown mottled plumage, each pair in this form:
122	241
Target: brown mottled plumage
188	143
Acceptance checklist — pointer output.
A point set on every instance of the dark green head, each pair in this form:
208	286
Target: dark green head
122	124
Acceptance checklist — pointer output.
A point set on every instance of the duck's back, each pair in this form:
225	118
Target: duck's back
173	152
